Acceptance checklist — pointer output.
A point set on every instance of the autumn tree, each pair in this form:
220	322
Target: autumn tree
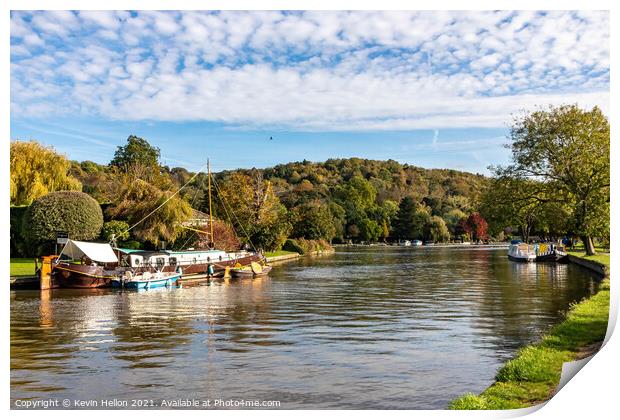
37	170
566	150
251	206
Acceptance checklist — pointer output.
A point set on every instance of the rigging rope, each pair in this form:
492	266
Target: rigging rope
225	203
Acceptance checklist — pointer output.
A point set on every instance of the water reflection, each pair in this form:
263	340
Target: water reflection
381	328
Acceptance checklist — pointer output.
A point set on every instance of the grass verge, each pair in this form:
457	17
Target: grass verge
532	376
22	267
277	253
599	258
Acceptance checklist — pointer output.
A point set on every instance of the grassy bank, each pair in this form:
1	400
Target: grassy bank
22	267
278	253
533	375
599	258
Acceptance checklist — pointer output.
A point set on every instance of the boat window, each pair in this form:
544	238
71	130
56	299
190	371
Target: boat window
173	261
160	262
136	262
208	259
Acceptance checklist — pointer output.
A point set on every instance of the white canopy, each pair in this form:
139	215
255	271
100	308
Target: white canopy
96	252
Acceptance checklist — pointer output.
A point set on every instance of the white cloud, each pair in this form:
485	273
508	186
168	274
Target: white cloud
313	70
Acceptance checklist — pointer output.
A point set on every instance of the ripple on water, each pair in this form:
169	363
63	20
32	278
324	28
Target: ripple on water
364	328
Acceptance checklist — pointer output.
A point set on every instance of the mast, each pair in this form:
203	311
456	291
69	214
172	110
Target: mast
210	208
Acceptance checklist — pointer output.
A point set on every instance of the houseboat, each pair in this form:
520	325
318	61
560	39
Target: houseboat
188	263
550	253
522	252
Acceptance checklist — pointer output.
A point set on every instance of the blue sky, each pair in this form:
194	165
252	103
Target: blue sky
434	89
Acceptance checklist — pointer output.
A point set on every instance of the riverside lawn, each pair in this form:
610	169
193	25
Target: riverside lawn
533	375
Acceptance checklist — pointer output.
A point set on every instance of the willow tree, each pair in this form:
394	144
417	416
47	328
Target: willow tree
566	151
37	170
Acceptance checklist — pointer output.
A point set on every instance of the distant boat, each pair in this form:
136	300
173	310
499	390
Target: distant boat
253	270
521	252
416	242
145	280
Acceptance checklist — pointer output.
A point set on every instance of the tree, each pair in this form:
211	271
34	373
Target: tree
37	170
411	219
436	230
566	149
474	226
251	206
137	157
115	229
137	199
313	221
73	212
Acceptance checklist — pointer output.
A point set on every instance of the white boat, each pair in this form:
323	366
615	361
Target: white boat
521	252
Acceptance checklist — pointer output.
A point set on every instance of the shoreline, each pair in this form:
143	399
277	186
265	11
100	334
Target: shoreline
533	375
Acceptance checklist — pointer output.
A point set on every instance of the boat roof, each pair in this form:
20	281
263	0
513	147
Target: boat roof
166	252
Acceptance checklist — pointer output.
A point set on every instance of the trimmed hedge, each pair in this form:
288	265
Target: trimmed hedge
70	211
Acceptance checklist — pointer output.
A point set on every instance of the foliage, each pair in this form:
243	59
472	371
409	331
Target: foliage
19	246
436	230
291	245
306	246
137	157
37	170
475	226
251	206
117	229
197	236
70	211
137	199
411	219
313	221
565	150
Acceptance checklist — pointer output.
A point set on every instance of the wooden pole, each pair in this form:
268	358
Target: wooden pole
210	208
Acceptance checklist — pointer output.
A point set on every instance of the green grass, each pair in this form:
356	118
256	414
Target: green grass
277	253
22	267
534	373
600	258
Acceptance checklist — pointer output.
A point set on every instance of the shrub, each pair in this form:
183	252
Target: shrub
73	212
306	246
293	246
118	228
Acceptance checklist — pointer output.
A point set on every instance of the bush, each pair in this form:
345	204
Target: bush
292	245
131	245
19	248
118	228
306	246
73	212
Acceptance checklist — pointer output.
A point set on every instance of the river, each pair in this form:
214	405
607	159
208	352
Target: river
381	328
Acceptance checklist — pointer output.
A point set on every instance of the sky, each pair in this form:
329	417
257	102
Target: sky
254	89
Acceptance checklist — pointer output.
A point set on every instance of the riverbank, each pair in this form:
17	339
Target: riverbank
288	255
534	374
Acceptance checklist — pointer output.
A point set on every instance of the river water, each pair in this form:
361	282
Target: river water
382	328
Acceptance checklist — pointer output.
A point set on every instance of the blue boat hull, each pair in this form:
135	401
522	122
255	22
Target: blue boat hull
147	284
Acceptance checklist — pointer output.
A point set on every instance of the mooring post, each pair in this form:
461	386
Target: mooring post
45	276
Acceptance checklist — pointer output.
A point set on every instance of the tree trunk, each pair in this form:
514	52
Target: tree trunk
589	245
